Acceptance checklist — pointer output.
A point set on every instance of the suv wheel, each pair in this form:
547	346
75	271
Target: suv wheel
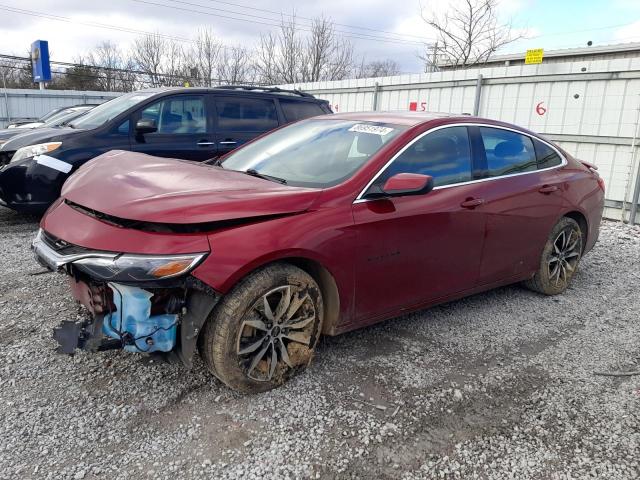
265	330
559	260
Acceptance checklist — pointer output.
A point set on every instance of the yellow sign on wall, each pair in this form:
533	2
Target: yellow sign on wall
534	56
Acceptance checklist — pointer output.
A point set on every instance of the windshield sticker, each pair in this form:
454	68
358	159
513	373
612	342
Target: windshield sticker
373	129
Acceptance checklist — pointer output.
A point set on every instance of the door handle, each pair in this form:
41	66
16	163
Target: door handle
228	142
546	189
205	143
472	203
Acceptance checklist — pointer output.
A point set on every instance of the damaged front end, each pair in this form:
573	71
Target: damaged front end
141	303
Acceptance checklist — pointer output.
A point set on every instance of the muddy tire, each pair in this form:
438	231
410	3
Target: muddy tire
560	258
264	330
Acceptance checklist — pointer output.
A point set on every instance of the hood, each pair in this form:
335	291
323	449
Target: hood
26	137
135	186
7	133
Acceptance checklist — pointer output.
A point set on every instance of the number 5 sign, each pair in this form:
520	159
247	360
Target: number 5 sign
413	106
540	109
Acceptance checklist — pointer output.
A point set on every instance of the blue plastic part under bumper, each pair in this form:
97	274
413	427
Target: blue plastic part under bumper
133	324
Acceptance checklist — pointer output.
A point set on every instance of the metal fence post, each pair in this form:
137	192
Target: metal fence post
476	103
636	193
636	190
376	89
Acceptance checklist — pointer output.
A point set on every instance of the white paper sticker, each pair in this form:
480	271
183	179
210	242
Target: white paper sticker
54	163
373	129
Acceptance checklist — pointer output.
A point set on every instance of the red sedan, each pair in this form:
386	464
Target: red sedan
320	227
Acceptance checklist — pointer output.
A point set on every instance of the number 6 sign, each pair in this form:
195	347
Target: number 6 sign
540	110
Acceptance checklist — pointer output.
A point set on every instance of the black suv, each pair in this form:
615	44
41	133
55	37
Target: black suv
186	123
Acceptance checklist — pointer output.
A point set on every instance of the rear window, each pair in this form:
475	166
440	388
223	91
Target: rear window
294	111
507	152
547	157
237	114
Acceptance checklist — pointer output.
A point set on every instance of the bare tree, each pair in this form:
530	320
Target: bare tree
327	56
15	74
203	57
288	56
175	71
115	71
234	66
265	62
468	34
162	61
378	68
148	53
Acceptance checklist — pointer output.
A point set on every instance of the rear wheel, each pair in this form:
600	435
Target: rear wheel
265	330
559	260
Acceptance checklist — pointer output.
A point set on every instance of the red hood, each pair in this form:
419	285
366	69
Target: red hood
135	186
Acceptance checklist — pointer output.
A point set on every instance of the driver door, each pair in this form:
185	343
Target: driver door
413	250
183	129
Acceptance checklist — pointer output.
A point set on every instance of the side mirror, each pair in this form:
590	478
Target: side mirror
402	184
145	125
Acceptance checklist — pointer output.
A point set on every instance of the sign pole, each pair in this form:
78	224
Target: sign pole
41	66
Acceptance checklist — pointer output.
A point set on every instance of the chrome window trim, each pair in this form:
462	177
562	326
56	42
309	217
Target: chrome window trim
360	199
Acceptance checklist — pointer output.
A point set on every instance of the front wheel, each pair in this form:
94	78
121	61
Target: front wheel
265	330
560	258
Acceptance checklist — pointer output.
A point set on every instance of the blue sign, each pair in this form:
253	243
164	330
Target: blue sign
40	61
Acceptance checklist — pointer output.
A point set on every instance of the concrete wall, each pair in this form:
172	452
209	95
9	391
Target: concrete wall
590	108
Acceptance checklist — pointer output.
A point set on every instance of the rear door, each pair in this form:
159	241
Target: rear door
184	129
522	199
240	119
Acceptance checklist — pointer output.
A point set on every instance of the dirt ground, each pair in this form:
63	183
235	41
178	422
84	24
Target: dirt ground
498	385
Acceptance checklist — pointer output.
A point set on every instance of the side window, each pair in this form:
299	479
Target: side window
123	129
296	110
444	154
237	114
175	115
547	157
507	152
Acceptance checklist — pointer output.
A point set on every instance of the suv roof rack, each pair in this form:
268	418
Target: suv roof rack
265	89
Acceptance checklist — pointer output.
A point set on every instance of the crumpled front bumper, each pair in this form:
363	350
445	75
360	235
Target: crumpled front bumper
133	317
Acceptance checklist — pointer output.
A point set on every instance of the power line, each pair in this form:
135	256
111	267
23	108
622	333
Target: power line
112	69
59	18
342	33
297	17
251	7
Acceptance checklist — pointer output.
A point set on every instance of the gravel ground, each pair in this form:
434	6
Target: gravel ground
499	385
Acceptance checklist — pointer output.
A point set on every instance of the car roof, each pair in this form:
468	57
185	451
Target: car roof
412	119
397	118
240	90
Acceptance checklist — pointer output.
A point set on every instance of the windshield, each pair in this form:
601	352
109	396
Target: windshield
314	153
109	110
64	117
49	114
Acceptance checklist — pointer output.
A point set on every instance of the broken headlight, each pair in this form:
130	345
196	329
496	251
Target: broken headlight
140	268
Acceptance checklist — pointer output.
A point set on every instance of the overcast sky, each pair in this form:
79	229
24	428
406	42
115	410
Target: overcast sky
395	24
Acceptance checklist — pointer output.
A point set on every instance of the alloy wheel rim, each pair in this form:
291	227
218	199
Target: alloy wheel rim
274	330
564	256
